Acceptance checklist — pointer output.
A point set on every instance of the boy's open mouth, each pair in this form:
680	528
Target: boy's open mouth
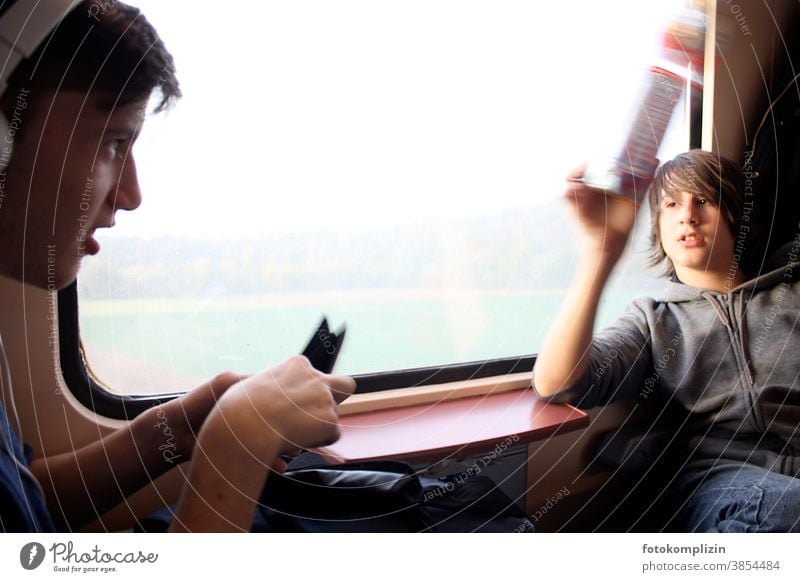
691	239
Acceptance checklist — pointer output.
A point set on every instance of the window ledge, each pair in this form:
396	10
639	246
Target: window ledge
403	397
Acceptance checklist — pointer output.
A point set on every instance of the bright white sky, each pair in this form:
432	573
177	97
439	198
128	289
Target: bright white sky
359	113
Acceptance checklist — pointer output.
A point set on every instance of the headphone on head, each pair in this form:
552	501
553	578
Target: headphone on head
23	27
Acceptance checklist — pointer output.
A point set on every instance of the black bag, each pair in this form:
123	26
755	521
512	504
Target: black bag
383	496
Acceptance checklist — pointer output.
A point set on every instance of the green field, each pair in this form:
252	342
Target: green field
152	345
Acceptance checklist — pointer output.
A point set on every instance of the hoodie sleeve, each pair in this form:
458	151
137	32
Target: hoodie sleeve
620	358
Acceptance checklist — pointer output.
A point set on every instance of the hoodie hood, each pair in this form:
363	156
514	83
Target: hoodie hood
783	267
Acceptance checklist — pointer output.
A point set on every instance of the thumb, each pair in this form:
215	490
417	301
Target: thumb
279	466
341	387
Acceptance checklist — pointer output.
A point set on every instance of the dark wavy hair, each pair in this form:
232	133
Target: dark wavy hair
113	53
721	181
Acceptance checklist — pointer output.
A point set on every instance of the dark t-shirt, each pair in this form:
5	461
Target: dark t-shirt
22	508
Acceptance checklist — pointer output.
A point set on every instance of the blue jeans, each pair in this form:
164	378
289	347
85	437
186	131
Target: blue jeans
737	497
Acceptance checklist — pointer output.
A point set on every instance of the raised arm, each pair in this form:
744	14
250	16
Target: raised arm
605	222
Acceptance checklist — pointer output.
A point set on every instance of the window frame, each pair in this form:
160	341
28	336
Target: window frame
78	376
76	370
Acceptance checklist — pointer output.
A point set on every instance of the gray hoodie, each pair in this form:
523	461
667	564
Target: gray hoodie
729	362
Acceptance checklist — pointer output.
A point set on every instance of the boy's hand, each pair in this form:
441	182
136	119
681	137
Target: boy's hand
255	420
179	421
292	403
605	220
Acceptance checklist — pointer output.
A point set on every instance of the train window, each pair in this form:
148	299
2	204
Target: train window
397	166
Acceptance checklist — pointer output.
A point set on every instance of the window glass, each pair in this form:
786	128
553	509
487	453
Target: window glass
398	166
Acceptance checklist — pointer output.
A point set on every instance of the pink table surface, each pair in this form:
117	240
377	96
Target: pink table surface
435	431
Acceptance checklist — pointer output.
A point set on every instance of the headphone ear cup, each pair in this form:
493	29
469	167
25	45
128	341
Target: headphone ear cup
7	143
24	25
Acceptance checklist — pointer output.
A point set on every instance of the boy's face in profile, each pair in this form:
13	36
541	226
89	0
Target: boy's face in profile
695	235
71	169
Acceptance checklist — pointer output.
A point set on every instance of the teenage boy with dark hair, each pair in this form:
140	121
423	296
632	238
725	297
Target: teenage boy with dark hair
721	344
75	108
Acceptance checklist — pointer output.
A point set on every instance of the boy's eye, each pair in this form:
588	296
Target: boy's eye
702	201
669	204
116	147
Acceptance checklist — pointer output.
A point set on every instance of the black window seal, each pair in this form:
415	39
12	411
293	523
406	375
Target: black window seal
95	397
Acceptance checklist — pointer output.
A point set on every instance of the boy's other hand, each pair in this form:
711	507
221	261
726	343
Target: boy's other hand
605	220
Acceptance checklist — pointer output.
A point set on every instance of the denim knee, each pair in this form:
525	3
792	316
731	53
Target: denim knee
742	498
